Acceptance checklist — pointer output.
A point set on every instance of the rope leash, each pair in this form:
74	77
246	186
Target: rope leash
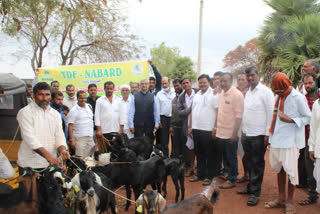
116	193
78	168
107	164
113	192
14	138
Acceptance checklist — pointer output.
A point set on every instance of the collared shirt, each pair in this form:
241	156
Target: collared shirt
164	101
287	134
30	100
124	112
69	103
314	139
82	120
107	114
64	120
39	128
189	99
204	110
310	104
132	110
244	91
258	111
230	109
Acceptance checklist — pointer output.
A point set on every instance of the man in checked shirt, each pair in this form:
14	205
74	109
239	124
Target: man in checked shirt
41	131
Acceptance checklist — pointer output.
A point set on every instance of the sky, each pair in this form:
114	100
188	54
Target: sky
226	24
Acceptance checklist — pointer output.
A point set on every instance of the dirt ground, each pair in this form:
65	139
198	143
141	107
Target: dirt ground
231	203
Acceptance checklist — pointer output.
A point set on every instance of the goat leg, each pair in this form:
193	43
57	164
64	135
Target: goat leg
176	185
128	191
181	179
164	187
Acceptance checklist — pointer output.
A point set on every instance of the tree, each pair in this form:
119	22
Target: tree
183	68
170	63
289	37
242	57
85	31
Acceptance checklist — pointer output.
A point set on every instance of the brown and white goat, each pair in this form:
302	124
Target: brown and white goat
153	203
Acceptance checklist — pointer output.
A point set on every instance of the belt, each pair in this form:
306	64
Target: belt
164	116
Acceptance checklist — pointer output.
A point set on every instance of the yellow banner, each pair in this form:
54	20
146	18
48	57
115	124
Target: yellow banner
81	76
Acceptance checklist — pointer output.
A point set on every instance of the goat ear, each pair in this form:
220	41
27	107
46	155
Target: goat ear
139	201
162	202
98	179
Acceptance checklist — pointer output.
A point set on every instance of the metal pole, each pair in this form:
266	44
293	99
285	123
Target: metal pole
200	39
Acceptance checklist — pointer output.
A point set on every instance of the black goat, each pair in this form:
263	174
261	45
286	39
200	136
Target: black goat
137	175
49	191
142	146
174	167
91	196
35	194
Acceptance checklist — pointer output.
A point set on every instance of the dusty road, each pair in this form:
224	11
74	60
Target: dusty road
232	203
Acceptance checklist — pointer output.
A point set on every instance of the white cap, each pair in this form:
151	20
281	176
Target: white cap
124	86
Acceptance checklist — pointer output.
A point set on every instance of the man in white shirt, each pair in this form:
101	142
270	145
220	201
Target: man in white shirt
41	131
80	126
164	97
256	119
202	124
124	110
107	118
70	100
314	142
310	66
287	135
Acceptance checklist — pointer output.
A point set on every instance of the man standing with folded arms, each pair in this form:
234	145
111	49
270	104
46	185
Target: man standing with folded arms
256	120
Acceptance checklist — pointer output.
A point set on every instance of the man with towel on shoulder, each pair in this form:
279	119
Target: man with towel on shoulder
291	113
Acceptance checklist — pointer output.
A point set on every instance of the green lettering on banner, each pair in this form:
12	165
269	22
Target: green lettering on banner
111	71
87	73
63	74
99	72
69	74
93	74
74	74
105	73
119	72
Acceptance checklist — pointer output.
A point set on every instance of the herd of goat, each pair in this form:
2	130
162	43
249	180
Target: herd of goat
88	185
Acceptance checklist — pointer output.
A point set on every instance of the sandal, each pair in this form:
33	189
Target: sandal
274	204
242	179
206	182
307	201
289	209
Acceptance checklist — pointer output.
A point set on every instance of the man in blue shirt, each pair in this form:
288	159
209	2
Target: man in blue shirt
56	103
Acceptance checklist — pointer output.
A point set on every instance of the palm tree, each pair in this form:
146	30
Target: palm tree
289	37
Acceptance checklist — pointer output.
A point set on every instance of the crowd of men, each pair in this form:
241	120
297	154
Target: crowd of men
207	126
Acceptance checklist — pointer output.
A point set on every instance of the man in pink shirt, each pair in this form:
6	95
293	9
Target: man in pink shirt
228	124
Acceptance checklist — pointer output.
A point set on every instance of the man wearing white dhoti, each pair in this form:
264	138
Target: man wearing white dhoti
287	136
